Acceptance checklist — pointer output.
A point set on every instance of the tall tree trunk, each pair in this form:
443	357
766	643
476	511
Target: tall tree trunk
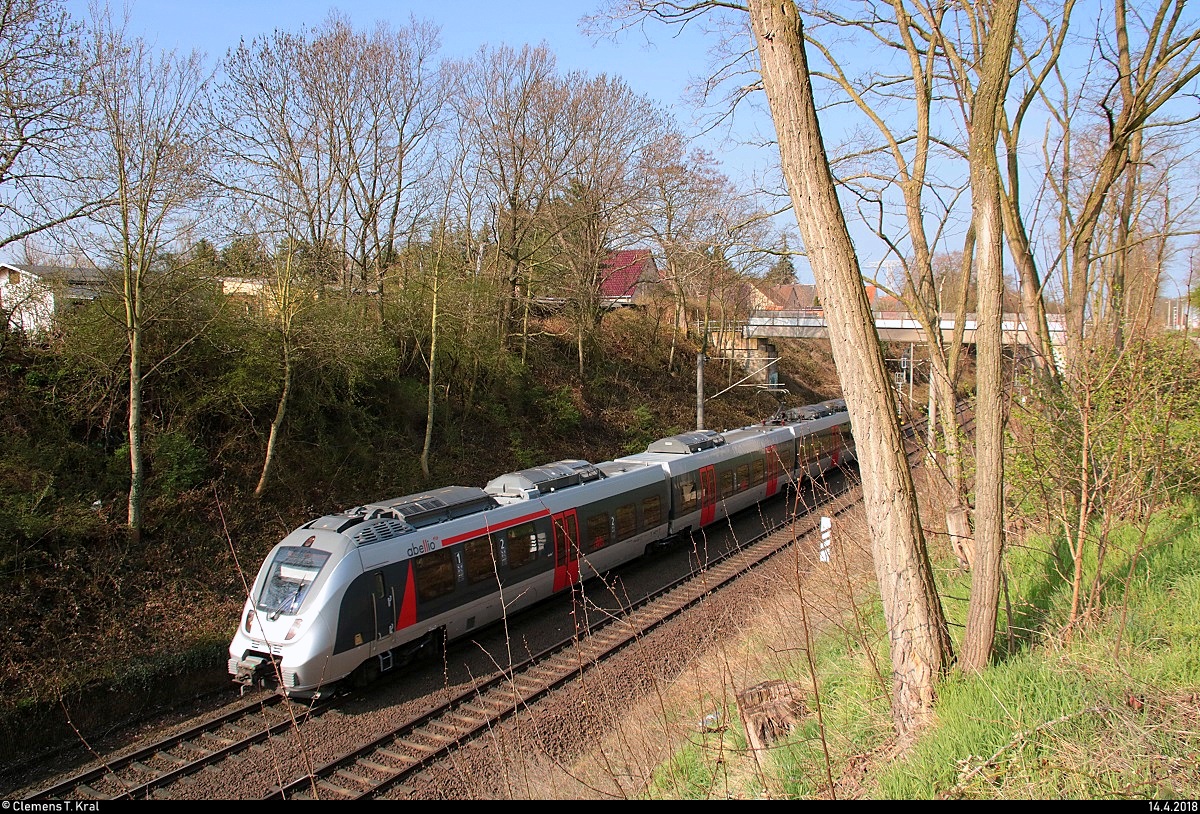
1033	304
918	635
429	390
137	472
277	423
989	409
1117	287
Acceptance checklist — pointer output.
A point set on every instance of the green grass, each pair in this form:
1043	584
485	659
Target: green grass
1110	710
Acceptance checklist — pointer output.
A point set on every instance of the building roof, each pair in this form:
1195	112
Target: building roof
795	297
60	275
73	282
623	270
886	302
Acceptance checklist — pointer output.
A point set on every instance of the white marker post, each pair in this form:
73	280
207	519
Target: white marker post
826	537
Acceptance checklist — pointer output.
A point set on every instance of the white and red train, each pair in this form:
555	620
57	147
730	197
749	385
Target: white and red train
350	595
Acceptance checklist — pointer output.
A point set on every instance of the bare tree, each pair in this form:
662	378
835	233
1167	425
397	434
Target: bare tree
147	157
1050	49
1136	236
596	210
387	102
681	202
1153	59
514	107
700	224
282	150
289	294
999	34
449	262
899	104
918	634
43	66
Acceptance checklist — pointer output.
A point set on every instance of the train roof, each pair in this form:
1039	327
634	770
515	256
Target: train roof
756	431
623	466
539	480
807	412
688	442
389	518
427	508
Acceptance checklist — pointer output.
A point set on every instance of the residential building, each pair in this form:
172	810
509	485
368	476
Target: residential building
32	296
626	275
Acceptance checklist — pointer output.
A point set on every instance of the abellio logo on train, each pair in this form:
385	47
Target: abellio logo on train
424	547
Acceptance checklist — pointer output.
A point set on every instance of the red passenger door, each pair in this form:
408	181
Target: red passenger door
566	550
708	495
773	469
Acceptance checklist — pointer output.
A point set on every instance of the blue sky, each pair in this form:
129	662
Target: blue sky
658	62
660	71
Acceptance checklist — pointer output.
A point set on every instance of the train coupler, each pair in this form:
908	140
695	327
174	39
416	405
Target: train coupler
250	671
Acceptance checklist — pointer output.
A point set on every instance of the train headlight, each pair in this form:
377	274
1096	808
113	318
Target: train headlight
292	630
249	619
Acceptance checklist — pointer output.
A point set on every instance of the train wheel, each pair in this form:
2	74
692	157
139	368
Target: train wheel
364	674
434	643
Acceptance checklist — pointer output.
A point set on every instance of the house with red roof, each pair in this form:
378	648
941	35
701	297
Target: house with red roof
625	275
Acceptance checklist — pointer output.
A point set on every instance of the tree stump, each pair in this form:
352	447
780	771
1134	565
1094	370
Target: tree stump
958	525
769	711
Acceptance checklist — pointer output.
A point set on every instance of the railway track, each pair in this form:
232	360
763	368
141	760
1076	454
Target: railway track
386	764
204	744
388	761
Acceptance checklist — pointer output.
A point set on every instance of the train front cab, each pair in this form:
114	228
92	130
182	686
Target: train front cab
286	621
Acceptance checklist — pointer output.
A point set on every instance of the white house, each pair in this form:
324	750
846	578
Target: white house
31	296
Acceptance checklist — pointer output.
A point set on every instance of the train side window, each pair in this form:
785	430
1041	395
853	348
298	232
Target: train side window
379	585
597	531
626	521
743	477
481	564
757	472
652	511
434	574
727	484
522	544
689	495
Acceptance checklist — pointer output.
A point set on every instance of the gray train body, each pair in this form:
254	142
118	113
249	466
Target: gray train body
350	595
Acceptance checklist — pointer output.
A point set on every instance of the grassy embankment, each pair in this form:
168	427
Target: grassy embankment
1108	710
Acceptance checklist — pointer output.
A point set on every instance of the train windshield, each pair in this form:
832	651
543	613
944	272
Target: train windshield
289	576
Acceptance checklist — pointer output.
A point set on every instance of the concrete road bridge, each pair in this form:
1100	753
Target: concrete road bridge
750	342
892	326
